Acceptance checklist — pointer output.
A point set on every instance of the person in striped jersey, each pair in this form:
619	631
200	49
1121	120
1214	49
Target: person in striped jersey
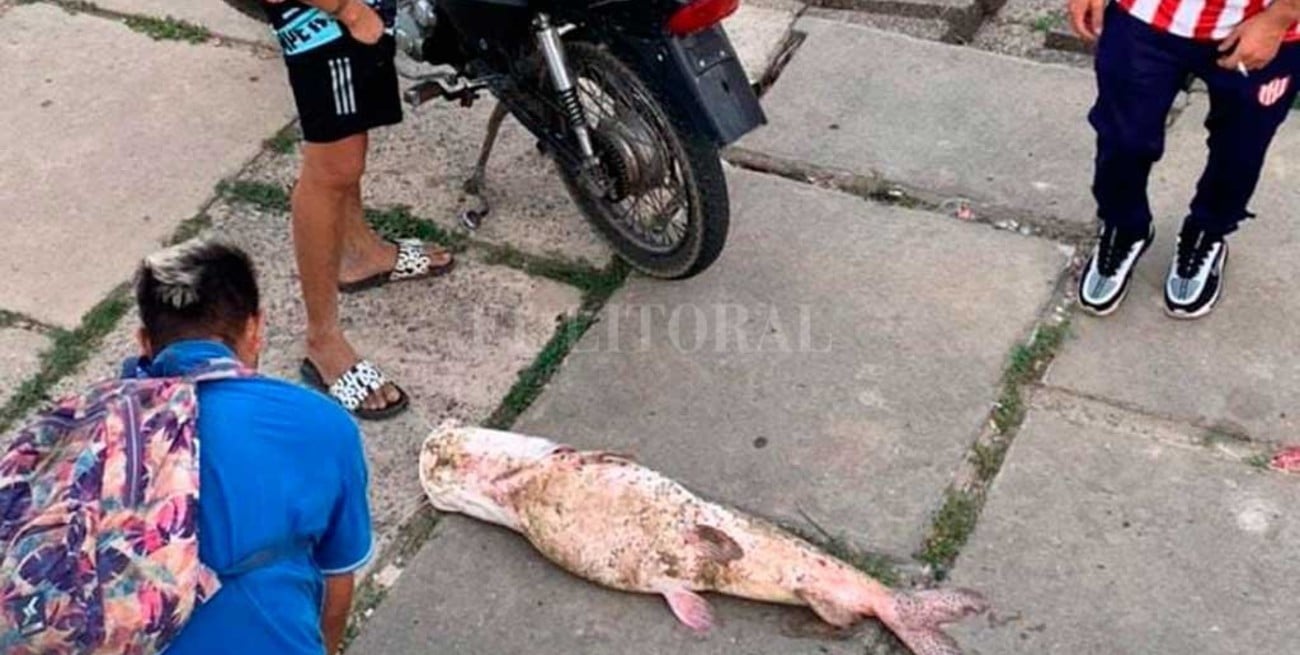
1248	54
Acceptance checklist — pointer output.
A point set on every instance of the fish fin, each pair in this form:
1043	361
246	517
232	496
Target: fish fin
606	457
929	641
715	544
916	616
828	608
690	608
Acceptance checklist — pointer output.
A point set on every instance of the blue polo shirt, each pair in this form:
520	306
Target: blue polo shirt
282	469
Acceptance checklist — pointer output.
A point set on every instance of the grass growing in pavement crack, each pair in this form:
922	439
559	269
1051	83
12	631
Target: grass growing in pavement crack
284	141
191	228
595	283
1047	22
168	29
1028	361
952	525
8	318
70	349
950	529
259	194
1259	461
399	223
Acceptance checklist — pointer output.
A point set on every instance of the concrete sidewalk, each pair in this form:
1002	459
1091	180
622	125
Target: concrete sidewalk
859	357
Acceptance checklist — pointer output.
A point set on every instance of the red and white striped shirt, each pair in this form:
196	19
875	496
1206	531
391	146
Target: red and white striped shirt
1205	20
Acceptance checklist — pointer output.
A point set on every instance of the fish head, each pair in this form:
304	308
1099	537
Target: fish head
473	471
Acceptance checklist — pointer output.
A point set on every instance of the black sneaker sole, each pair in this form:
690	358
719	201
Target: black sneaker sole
1203	310
1113	306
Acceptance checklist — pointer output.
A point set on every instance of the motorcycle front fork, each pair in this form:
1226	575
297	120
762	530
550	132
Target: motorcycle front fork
552	49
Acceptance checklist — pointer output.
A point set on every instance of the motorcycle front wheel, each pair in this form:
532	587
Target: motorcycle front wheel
662	202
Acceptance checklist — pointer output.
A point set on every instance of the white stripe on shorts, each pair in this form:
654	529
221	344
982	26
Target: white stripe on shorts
351	91
336	84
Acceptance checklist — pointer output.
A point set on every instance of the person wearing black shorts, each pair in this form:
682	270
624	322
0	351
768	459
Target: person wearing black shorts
340	59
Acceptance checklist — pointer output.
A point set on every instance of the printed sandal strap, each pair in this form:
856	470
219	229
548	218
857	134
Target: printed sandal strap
353	387
412	260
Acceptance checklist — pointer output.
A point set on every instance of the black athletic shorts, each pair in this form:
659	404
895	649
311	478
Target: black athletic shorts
345	88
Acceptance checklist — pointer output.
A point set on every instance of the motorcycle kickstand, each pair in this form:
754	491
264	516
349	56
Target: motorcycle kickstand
472	218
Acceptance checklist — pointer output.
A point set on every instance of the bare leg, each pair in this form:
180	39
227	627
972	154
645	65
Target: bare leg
365	253
329	185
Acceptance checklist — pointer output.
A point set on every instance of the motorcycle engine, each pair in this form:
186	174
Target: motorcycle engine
416	20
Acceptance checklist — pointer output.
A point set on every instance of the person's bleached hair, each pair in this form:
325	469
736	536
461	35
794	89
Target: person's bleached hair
198	289
176	273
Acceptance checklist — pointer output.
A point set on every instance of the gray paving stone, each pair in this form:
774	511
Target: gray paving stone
109	145
455	344
950	121
1099	540
20	358
1236	369
216	15
481	590
921	28
1025	40
951	9
758	34
424	162
1035	12
813	369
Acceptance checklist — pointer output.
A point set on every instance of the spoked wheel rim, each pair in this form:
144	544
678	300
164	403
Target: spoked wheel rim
646	197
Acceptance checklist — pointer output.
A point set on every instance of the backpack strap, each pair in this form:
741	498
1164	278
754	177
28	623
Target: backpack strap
223	368
262	558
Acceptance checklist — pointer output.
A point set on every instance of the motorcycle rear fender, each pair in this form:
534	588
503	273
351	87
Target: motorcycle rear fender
701	75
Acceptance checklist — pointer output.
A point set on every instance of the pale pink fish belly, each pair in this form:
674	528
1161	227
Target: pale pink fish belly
628	527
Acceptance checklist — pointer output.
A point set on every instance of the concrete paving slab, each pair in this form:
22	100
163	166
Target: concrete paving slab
454	343
220	18
1237	369
813	369
1039	13
1029	42
481	590
758	34
921	28
20	358
949	121
1096	540
950	9
424	162
109	145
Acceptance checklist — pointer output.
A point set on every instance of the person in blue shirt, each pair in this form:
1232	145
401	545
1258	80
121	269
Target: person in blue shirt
282	473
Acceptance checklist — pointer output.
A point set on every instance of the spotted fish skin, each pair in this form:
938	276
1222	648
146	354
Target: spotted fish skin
606	518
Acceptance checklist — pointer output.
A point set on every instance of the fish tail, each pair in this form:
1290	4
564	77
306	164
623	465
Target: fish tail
916	617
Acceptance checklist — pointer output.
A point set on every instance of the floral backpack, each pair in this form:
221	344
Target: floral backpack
99	550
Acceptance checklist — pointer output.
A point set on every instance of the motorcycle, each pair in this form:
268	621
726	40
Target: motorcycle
632	100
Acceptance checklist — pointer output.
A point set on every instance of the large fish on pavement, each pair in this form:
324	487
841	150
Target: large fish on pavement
605	518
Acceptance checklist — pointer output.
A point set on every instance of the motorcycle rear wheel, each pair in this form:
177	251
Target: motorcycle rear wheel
653	159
